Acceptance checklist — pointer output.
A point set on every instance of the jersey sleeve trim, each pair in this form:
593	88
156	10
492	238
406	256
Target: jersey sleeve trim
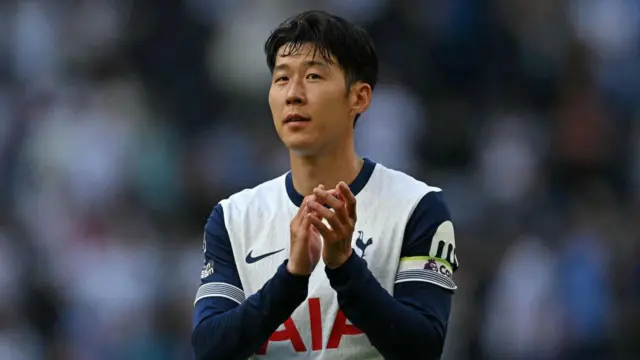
428	250
219	276
426	258
220	289
426	269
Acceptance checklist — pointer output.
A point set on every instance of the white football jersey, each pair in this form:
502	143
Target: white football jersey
258	219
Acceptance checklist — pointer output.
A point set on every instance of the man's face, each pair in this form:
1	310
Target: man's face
311	108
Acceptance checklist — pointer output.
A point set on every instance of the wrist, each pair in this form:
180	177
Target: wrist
297	270
288	288
339	261
353	274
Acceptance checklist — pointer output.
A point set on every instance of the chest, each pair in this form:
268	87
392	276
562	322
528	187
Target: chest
261	248
317	329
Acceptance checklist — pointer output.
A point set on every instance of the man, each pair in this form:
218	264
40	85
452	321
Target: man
384	242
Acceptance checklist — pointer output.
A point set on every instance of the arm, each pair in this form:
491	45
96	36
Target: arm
226	325
413	322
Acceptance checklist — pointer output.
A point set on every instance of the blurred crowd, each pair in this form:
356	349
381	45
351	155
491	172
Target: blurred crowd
123	122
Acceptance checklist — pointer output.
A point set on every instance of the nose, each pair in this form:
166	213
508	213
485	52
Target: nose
295	94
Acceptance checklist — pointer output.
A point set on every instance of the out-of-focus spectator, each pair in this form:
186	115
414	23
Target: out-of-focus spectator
523	315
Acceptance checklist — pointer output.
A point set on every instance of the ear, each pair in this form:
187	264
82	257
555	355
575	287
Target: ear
360	97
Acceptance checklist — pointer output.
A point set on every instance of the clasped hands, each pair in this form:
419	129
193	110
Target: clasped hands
312	237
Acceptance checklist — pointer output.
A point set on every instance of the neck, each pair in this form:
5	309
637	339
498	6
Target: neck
327	169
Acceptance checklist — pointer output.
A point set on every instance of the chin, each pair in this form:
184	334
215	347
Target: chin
302	147
303	150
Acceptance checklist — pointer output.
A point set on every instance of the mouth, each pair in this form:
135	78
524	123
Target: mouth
296	118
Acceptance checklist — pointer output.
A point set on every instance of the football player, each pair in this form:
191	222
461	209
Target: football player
339	258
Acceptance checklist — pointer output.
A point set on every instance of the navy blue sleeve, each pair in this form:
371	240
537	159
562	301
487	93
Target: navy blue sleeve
413	322
226	325
220	289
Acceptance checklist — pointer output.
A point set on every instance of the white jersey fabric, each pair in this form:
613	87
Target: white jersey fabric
257	221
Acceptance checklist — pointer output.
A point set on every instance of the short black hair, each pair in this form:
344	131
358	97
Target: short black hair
331	35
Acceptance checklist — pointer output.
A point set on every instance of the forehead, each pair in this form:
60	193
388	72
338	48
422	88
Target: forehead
306	53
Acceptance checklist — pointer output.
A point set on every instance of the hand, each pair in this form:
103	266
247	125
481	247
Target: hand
306	243
341	218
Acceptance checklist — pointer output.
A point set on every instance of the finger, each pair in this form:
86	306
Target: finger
311	227
341	210
327	197
297	219
349	199
336	204
321	227
304	223
302	212
310	199
338	224
334	221
304	206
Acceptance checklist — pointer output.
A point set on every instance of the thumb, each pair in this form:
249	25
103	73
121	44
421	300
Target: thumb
305	224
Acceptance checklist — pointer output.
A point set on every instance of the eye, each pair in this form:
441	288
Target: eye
280	79
314	77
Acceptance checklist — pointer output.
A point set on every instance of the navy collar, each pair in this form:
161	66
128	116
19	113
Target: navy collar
356	186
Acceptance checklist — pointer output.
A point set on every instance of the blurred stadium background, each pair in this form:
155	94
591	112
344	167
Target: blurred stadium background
123	122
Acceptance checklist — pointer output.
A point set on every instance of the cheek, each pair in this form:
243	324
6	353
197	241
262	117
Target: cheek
273	105
337	110
271	100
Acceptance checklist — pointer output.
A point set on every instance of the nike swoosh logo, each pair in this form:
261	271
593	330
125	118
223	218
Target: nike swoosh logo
250	259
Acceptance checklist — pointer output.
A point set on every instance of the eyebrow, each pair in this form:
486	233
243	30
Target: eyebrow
306	63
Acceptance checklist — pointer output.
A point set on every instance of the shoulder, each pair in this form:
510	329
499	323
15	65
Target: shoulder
427	203
429	227
260	195
261	199
232	214
401	187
